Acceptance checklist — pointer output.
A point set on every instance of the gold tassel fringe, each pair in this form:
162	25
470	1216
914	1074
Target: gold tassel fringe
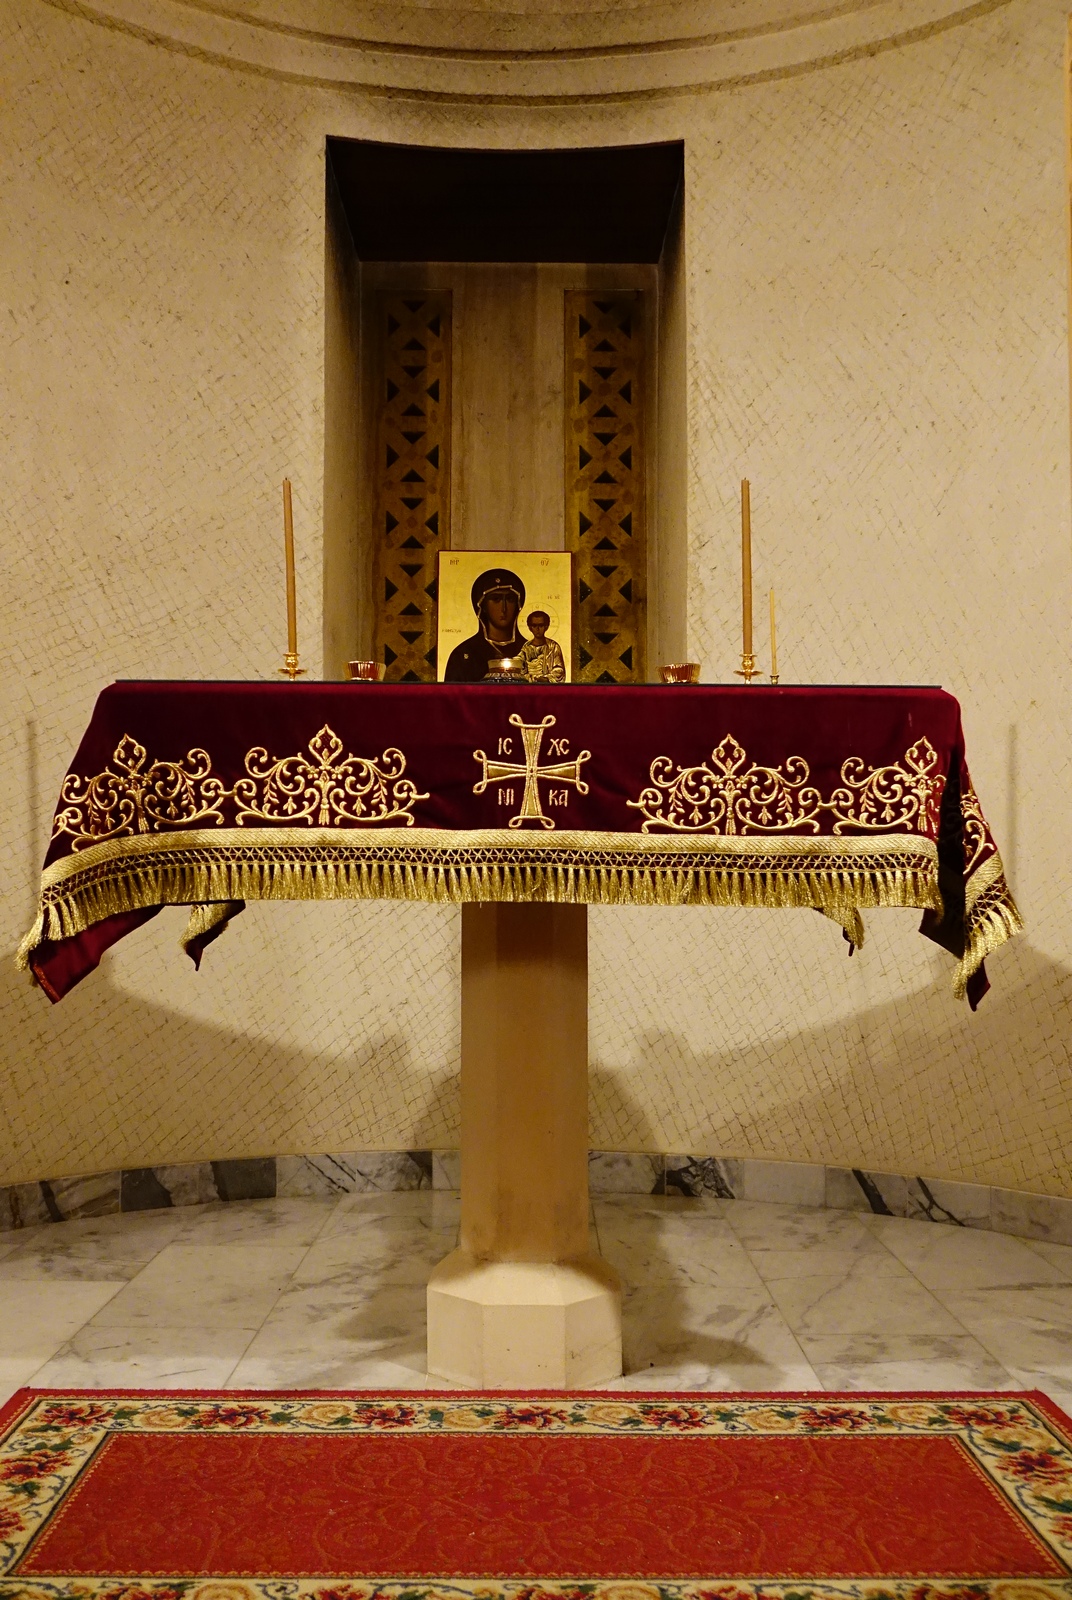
986	931
203	919
837	891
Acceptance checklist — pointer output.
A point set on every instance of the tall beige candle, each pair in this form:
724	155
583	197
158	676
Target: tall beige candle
288	540
746	566
773	640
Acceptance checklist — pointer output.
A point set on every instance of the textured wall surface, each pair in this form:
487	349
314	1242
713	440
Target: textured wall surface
876	308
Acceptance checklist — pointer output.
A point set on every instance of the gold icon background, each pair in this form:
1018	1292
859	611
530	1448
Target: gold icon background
545	574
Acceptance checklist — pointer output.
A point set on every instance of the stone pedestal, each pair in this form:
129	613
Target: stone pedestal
522	1303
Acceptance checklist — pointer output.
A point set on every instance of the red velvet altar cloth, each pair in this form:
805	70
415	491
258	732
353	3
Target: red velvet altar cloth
210	794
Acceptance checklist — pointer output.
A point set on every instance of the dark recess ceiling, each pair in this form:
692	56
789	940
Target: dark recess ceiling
421	203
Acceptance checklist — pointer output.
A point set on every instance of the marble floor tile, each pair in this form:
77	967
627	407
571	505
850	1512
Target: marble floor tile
762	1226
401	1366
1034	1303
824	1260
1059	1255
196	1285
719	1340
1056	1385
335	1324
143	1357
400	1252
652	1244
704	1208
717	1294
286	1222
37	1317
1020	1327
437	1209
948	1259
860	1300
912	1361
98	1248
16	1373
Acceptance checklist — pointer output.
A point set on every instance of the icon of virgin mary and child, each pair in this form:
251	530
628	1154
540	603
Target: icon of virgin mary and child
498	597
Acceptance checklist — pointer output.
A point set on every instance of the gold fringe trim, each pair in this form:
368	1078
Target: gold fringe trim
206	869
837	891
203	919
991	918
30	943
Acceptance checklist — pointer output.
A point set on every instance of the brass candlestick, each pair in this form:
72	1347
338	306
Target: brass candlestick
747	670
290	668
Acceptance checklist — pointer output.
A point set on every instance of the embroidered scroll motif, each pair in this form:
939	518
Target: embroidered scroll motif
495	771
729	797
978	841
325	789
904	795
134	795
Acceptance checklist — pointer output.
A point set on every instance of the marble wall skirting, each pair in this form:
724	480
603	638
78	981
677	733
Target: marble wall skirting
964	1205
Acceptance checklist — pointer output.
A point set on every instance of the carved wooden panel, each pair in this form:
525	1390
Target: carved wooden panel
605	483
411	470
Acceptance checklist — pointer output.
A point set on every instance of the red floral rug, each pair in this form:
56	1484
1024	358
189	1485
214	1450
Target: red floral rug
420	1496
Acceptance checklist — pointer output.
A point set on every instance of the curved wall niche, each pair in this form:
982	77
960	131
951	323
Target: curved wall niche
505	236
527	51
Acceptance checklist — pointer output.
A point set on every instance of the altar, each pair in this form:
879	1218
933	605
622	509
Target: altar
525	805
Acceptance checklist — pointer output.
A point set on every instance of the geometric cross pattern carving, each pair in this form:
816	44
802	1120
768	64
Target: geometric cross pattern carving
412	478
605	482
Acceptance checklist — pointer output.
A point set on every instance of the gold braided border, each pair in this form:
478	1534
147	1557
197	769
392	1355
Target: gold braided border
209	869
991	917
200	867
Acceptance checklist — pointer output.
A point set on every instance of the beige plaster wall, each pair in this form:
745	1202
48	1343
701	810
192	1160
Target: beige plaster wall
874	300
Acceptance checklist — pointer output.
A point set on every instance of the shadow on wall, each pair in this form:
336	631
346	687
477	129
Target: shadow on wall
192	1090
904	1091
198	1091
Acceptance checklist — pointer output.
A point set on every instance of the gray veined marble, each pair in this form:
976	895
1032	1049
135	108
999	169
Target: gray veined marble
329	1292
22	1205
695	1176
792	1183
156	1188
354	1172
1032	1216
1045	1218
888	1194
446	1169
623	1172
25	1205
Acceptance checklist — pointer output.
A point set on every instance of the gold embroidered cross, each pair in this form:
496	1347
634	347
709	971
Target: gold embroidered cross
496	771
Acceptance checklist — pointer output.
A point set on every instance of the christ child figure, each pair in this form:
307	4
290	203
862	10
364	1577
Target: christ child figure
542	656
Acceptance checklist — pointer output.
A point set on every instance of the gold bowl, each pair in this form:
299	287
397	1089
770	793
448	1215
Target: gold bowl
365	671
681	672
506	667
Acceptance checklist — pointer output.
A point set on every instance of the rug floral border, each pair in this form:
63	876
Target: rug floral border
1021	1444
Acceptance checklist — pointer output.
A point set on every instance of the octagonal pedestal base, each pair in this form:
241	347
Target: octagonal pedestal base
524	1325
